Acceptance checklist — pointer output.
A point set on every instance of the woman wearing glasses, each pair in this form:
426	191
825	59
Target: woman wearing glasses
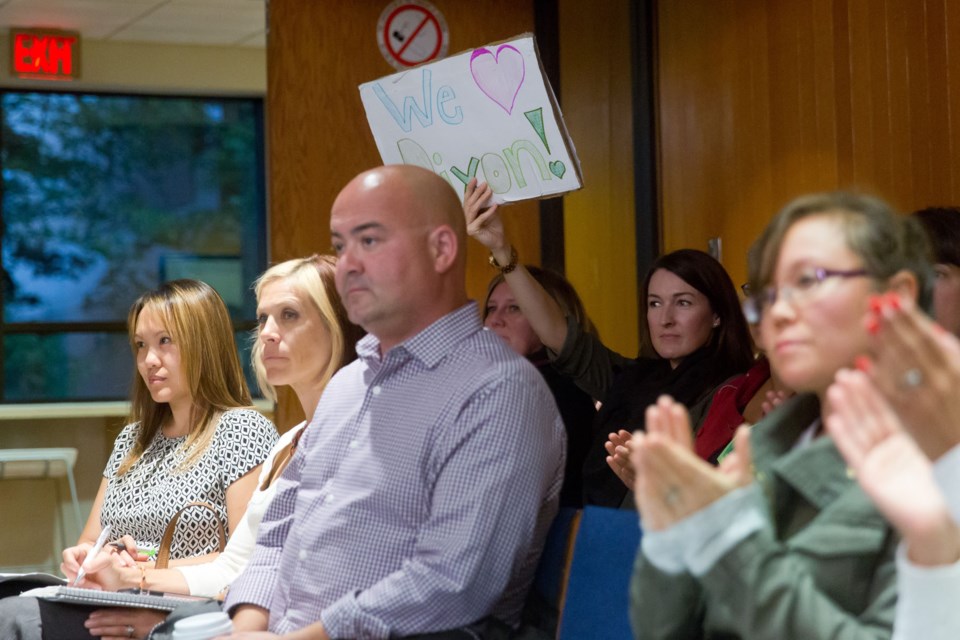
780	541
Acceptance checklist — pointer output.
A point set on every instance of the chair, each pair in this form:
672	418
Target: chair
38	464
542	609
596	600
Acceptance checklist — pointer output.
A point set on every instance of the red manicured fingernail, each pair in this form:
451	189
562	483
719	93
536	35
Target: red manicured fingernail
872	324
894	301
863	363
876	304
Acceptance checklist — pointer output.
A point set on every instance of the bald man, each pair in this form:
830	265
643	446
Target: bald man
421	493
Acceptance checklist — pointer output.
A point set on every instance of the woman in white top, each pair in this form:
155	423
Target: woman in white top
303	338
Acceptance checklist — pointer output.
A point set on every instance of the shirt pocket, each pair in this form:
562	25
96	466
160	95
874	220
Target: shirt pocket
844	559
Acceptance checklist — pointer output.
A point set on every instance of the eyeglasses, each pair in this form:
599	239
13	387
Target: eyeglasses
797	292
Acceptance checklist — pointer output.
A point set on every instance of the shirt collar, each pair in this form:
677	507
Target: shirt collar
432	344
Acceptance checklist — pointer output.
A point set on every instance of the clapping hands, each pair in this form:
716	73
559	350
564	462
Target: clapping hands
672	482
915	365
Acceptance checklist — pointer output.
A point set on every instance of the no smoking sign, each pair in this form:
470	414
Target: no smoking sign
411	32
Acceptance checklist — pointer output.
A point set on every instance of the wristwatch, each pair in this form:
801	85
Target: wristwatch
507	268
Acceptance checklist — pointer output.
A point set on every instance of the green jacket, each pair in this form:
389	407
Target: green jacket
824	568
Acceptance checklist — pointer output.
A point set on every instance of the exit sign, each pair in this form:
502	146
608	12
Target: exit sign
45	54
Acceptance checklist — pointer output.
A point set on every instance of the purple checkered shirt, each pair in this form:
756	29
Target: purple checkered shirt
421	494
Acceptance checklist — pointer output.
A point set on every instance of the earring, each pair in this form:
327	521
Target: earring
716	323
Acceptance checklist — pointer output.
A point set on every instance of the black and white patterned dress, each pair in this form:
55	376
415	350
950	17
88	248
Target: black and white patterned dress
142	501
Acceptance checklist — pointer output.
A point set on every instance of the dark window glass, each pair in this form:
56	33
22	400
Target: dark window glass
78	366
104	197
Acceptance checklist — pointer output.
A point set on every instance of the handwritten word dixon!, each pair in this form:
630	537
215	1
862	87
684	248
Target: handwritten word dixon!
500	171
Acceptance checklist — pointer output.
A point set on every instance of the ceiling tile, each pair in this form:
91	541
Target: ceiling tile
210	22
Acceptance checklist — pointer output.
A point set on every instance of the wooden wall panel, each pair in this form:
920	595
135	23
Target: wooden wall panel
937	88
318	52
599	219
763	100
951	95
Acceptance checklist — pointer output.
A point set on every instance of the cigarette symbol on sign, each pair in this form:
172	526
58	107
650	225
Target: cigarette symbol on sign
411	32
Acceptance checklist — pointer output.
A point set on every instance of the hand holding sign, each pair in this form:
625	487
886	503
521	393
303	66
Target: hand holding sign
487	114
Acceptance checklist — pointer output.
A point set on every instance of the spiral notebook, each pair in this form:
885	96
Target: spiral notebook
137	600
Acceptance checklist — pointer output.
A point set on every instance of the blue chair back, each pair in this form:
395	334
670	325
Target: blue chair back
596	602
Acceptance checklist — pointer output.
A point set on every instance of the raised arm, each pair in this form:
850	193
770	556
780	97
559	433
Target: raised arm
539	308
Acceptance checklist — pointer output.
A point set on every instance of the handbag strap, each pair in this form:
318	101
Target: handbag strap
281	460
163	555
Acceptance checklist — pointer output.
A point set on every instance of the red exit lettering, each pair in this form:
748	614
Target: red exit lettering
45	55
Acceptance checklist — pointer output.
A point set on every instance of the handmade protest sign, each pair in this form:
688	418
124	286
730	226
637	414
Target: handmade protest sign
487	113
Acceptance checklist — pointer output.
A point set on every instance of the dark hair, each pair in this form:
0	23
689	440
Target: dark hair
942	225
886	242
197	319
730	341
559	289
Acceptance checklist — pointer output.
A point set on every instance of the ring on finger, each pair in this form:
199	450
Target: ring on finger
911	378
672	495
130	630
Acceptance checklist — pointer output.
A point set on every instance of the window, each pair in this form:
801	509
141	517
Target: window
104	197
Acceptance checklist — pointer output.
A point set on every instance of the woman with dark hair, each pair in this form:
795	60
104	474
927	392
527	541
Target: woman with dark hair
694	338
503	316
193	437
731	340
780	541
942	225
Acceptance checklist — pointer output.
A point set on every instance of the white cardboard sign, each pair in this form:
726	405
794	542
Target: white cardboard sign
488	113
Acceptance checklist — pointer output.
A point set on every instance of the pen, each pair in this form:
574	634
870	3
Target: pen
102	538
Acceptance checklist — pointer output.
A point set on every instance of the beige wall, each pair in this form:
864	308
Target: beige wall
157	68
30	537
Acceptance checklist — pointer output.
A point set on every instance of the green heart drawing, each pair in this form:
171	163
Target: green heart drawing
557	168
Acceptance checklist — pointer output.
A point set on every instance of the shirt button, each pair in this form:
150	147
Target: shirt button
376	390
329	498
303	554
353	444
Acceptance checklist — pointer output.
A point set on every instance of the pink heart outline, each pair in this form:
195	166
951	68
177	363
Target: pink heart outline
497	84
